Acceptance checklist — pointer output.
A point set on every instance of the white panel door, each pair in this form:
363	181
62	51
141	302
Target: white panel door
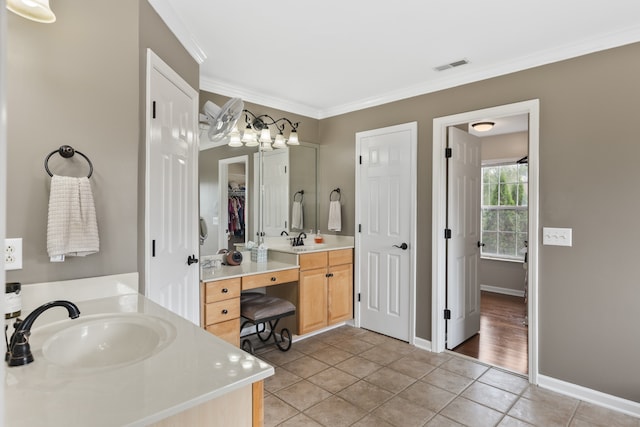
385	200
275	191
172	192
463	254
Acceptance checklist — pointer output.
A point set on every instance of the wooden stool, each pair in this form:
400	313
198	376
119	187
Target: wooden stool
258	310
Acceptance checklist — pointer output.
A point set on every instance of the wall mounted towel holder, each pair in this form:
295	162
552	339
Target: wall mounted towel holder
337	190
301	193
67	152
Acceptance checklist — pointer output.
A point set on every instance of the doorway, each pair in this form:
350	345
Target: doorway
233	221
439	204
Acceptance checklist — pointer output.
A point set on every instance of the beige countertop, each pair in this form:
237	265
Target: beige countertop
192	367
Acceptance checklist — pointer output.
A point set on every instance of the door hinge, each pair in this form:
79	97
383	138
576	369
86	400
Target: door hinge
447	233
153	108
360	159
358	296
359	228
448	153
447	314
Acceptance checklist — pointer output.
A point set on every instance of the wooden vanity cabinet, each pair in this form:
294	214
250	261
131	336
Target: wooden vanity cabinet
220	313
325	289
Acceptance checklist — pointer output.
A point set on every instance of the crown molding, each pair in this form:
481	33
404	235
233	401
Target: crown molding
179	29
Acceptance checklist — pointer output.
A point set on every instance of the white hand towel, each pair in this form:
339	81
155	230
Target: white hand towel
72	229
335	220
297	220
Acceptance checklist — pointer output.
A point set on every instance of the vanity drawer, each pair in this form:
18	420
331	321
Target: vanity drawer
313	260
222	311
268	279
220	290
341	256
228	331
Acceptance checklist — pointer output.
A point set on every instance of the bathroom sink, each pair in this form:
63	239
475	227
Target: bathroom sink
104	341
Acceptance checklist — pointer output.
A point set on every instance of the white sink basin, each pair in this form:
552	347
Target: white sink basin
104	341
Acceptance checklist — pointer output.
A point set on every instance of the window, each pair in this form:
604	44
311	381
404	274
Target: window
504	211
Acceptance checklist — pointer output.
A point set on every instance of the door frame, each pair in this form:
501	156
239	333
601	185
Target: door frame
223	185
154	62
439	219
413	126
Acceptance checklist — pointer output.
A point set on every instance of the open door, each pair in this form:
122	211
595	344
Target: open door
463	250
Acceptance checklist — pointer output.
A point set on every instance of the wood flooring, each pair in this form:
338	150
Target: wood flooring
502	340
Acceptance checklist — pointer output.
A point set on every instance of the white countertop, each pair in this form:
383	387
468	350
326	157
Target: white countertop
247	268
193	368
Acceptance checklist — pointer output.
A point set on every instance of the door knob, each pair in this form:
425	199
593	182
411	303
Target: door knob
403	246
480	244
191	259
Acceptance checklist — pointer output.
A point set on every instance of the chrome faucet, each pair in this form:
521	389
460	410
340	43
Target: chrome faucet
19	351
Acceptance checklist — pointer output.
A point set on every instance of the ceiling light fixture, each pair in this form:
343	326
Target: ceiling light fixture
483	126
261	124
35	10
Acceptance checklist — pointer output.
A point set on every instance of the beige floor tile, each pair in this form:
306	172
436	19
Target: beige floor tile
365	395
504	380
333	380
353	345
372	421
358	367
331	355
492	397
512	422
551	398
600	416
300	420
471	414
447	380
276	411
305	366
427	395
435	359
411	367
279	358
440	421
308	345
335	412
390	380
540	413
403	413
375	338
281	379
381	356
302	395
398	346
465	367
352	331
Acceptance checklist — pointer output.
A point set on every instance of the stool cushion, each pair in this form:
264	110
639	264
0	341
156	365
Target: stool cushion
266	307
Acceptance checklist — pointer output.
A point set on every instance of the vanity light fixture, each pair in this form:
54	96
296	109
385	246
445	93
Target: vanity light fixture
261	124
35	10
483	126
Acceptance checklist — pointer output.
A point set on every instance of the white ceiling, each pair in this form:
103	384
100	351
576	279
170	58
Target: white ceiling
323	58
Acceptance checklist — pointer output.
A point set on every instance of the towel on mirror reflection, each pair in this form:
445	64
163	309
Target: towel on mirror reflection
297	220
335	220
72	229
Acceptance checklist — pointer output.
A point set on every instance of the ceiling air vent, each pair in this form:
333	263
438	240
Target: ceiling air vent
452	65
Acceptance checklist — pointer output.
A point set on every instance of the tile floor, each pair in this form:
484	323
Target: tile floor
353	377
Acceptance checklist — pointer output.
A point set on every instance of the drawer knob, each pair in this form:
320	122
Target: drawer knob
273	279
225	290
225	311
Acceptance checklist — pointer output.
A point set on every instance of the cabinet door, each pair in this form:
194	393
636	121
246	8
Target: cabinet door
312	307
340	293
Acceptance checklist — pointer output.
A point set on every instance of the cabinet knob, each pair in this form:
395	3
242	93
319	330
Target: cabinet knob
225	290
273	279
225	311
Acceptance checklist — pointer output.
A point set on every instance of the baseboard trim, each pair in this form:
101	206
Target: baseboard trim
504	291
422	344
589	395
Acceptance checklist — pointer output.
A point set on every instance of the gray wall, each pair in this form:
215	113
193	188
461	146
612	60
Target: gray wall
589	293
80	81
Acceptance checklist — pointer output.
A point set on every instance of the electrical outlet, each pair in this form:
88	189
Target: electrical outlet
13	254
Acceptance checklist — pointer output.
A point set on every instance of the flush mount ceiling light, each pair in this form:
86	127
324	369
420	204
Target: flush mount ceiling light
261	124
35	10
483	126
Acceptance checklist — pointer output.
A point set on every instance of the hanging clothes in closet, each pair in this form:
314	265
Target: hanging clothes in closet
236	214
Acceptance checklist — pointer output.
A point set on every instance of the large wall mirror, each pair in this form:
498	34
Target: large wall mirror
244	192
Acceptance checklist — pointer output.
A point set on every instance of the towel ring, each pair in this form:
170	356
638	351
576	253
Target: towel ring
337	190
67	152
301	193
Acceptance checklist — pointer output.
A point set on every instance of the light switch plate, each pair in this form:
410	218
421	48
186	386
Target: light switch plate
556	236
12	254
